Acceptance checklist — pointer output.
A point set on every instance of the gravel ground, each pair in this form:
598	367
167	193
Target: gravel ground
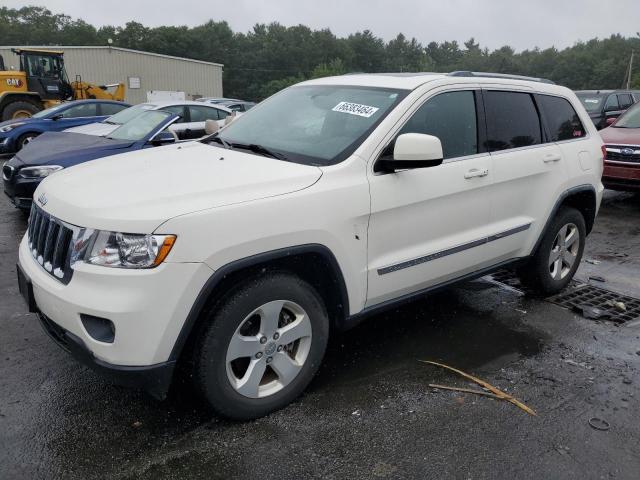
369	413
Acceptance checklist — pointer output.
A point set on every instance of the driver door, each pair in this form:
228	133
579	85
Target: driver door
430	225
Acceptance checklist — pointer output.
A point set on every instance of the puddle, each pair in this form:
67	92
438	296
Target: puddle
458	327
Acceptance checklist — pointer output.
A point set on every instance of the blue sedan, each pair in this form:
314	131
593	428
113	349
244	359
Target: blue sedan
54	151
16	133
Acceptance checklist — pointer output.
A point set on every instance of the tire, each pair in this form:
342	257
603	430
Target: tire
24	139
19	109
555	262
268	373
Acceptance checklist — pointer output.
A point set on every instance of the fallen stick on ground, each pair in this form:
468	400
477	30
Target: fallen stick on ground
465	390
499	393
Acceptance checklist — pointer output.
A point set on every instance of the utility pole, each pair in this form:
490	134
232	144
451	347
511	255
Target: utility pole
630	71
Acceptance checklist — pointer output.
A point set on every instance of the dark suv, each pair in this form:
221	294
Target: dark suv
604	106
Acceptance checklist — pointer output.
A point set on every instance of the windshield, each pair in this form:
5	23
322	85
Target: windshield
592	101
140	126
630	118
128	113
49	111
315	124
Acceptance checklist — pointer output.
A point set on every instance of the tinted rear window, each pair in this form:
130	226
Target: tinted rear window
512	120
562	120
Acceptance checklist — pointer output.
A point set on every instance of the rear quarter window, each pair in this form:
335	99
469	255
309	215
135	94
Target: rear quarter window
562	120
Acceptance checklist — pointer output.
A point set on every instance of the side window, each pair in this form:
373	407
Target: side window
177	110
625	100
612	104
512	120
452	118
111	108
201	114
562	119
82	110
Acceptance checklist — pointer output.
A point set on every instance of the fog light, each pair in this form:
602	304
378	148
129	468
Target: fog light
100	329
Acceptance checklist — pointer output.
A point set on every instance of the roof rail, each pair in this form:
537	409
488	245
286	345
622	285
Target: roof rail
464	73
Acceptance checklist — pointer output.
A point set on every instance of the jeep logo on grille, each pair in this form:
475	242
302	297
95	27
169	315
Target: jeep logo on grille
627	151
42	199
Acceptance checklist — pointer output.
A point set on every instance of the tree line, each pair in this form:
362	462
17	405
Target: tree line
271	56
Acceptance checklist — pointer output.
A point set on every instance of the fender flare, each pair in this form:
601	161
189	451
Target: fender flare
219	275
563	196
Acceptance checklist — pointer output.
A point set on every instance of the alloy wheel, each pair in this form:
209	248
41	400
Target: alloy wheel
564	251
269	348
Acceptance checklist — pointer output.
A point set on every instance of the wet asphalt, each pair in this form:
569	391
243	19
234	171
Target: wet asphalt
369	413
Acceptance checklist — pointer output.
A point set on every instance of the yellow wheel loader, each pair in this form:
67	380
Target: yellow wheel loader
42	82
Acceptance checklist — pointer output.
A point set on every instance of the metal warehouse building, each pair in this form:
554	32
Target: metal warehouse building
141	72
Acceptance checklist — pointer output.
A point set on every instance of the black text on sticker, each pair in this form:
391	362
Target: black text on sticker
355	109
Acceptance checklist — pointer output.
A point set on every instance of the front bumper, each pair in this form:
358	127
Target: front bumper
620	177
7	145
154	379
147	308
20	190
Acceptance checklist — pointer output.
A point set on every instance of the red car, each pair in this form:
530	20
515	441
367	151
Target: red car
622	161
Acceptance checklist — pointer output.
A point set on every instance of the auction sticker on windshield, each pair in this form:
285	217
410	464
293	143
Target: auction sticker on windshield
355	109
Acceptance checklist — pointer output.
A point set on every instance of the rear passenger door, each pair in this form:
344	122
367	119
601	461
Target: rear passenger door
528	169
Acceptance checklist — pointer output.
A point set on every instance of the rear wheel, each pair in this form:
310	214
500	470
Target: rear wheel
261	346
555	262
19	109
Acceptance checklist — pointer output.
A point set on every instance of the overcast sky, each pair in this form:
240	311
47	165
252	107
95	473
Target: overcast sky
493	23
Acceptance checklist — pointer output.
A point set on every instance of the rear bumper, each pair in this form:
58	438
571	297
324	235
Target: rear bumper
155	379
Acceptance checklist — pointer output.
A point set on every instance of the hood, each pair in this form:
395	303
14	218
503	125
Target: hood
22	120
67	149
136	192
620	136
100	129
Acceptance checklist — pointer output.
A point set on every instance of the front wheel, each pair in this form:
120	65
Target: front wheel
25	139
558	257
261	346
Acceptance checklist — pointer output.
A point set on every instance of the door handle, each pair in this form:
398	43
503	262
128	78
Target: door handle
551	157
474	172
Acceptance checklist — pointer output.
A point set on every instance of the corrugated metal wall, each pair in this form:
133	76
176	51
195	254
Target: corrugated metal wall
104	65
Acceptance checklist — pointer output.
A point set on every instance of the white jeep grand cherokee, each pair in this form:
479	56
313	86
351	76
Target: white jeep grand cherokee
237	255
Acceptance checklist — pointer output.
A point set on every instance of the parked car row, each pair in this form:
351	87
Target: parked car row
604	106
15	134
68	135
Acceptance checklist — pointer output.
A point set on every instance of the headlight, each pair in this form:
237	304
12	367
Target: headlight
8	128
39	172
120	250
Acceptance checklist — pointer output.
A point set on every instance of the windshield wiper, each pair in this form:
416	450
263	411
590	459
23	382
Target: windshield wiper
218	138
255	148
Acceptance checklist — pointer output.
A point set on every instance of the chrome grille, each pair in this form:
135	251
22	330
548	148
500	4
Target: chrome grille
50	243
623	153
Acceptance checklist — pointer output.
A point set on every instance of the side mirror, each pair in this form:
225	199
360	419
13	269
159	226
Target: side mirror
414	150
610	121
57	117
163	138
